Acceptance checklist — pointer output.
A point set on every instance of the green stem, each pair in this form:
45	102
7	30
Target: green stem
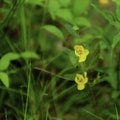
23	27
24	44
28	90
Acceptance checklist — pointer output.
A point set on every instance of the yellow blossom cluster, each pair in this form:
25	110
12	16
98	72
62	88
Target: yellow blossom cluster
80	79
81	52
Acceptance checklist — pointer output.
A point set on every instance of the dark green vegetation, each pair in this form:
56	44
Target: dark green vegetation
38	64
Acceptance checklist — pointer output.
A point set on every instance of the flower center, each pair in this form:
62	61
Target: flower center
79	51
79	79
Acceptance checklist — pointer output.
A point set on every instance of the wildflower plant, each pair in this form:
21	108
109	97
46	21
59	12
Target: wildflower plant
81	52
45	63
80	79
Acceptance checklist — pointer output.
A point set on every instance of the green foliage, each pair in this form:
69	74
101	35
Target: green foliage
38	61
75	28
65	3
117	2
35	2
54	30
79	6
6	60
29	55
116	40
65	14
82	21
4	78
4	63
71	54
117	9
53	7
115	94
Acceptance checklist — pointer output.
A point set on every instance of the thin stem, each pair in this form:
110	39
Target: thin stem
23	27
28	90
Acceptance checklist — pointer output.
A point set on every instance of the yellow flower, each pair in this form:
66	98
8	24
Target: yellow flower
104	2
81	81
81	52
80	86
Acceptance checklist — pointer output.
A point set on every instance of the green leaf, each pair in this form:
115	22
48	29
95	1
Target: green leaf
5	60
112	78
79	6
4	63
53	6
4	78
11	56
66	15
82	21
70	29
69	76
29	55
54	30
75	28
35	2
72	56
116	40
87	38
65	3
115	94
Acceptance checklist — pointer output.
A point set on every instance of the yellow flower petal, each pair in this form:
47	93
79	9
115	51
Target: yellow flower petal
78	50
80	79
85	80
80	86
86	52
85	74
81	52
82	58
